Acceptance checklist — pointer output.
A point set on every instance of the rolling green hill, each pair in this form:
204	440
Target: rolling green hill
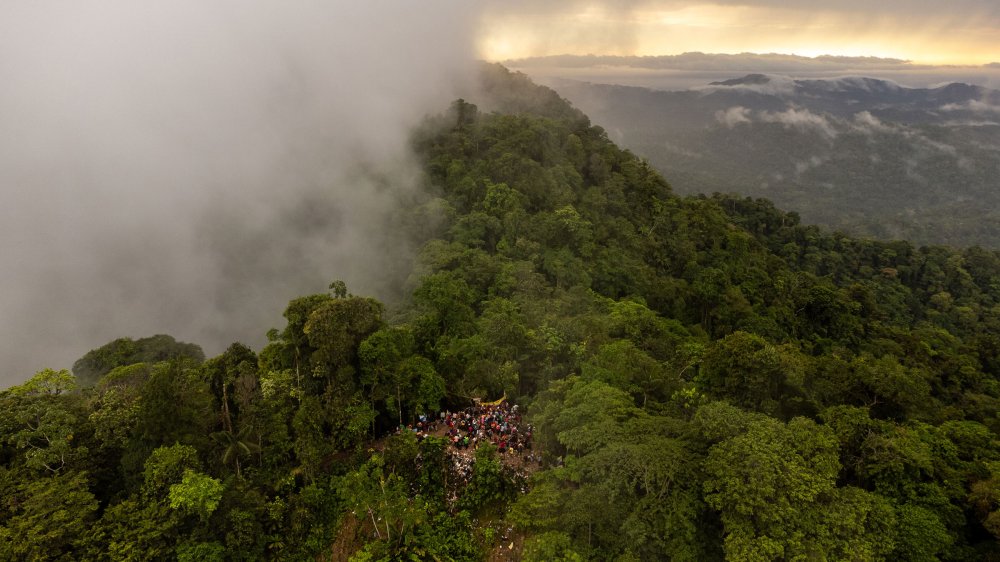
707	378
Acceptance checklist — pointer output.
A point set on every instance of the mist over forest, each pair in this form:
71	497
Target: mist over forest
586	366
188	168
296	282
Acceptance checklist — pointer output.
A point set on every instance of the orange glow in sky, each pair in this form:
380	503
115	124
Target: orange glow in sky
596	28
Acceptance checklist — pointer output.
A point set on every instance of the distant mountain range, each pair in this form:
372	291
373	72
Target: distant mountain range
865	155
768	62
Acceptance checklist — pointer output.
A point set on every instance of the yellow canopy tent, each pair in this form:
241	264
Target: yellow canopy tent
495	402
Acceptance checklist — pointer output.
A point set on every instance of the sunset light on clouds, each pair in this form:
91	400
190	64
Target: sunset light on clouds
964	32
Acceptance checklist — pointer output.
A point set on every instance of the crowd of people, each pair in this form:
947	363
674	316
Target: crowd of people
499	423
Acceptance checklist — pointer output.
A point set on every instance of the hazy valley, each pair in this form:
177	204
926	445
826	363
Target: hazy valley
864	155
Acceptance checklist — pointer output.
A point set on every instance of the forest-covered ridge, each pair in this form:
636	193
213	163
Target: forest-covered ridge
707	377
864	155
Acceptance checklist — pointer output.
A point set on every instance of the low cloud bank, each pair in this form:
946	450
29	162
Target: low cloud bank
188	167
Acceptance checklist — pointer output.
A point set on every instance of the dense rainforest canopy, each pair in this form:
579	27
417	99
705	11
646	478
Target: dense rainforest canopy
708	379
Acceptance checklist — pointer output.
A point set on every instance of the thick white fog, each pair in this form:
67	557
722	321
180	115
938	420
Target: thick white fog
187	167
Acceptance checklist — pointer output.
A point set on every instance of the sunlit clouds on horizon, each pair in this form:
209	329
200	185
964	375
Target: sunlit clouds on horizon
916	31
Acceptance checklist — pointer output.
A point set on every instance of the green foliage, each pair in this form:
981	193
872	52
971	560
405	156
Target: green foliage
336	327
46	382
126	351
634	488
913	173
775	488
45	432
174	406
407	526
922	535
134	531
167	466
198	552
443	537
552	546
196	494
985	499
405	384
234	446
491	485
753	373
47	518
624	366
706	377
116	409
382	498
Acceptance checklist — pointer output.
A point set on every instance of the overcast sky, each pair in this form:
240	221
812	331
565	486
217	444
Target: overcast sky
924	31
